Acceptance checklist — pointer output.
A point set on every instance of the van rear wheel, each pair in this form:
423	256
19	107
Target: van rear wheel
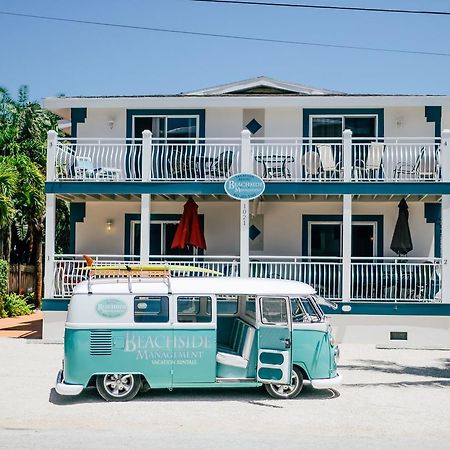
287	391
118	387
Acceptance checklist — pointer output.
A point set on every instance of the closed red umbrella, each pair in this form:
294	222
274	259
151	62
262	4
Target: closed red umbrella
188	230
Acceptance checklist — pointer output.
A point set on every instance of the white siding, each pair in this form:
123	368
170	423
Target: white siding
96	124
407	122
282	225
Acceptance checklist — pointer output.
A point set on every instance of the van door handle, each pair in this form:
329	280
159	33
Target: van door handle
287	342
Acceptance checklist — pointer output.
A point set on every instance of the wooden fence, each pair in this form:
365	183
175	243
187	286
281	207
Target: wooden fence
21	278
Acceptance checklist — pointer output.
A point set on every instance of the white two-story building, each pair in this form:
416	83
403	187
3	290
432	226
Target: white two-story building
335	167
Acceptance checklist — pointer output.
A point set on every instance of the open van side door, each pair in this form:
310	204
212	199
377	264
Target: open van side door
274	340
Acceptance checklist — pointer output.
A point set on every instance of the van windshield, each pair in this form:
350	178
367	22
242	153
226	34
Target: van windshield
305	309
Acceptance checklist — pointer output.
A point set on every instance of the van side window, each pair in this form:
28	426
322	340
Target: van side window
227	305
273	310
151	309
194	309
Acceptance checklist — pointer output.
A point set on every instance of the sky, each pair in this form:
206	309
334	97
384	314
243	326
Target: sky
55	58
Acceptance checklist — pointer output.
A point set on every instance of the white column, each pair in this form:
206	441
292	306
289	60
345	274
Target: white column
50	236
445	218
246	167
52	142
146	155
347	154
346	246
145	228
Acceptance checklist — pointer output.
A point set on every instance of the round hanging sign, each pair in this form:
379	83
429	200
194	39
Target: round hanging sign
244	186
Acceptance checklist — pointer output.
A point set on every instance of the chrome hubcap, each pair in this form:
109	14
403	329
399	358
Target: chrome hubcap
118	384
286	389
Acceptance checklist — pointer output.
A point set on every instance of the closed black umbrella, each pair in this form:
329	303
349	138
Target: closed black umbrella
401	239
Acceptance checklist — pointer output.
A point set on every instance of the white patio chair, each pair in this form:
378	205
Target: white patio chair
329	165
425	166
83	168
372	167
311	164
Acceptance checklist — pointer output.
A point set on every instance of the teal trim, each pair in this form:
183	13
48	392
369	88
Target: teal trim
130	217
392	309
307	112
77	214
53	304
306	218
166	112
272	188
434	114
432	212
77	115
358	308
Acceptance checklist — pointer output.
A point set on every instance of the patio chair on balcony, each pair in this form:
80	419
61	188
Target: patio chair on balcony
372	167
83	168
311	164
426	166
220	167
330	169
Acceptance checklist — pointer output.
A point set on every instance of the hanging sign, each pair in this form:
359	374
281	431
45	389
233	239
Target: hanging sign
244	186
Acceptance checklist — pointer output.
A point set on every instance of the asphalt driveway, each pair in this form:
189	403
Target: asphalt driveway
390	399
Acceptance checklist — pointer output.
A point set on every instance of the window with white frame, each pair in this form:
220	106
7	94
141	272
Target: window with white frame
167	126
162	233
332	126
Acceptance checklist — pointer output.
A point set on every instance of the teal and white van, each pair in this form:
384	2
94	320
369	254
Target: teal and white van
124	336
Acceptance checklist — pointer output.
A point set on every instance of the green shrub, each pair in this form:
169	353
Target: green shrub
4	275
16	305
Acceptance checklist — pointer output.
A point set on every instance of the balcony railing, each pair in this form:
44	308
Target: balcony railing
273	159
372	279
396	279
69	270
324	274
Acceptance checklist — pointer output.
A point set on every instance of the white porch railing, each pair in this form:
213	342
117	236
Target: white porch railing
372	279
273	159
396	279
98	159
194	159
396	160
122	160
324	274
296	159
69	270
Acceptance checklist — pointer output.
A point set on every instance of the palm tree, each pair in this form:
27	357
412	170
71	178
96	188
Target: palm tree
23	142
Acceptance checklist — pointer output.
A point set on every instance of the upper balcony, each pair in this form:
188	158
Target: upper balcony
315	160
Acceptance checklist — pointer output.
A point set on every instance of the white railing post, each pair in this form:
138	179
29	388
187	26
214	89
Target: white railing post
146	155
145	228
346	247
445	218
347	154
52	142
246	152
246	167
50	209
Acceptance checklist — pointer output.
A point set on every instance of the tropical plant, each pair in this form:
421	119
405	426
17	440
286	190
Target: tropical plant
23	143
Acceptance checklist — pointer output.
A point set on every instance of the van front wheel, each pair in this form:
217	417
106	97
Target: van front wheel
287	390
118	387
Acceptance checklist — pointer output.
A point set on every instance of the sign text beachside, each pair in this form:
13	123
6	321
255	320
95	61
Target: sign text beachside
244	186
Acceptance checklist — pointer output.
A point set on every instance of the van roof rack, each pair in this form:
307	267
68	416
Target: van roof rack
159	271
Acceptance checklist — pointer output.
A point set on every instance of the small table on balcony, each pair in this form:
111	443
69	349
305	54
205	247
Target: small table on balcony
275	166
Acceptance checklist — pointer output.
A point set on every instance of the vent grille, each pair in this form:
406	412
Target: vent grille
101	343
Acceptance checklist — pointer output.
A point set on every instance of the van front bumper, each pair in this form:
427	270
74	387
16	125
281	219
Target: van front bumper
327	383
66	389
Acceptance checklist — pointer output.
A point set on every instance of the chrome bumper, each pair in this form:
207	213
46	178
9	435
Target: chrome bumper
327	383
66	389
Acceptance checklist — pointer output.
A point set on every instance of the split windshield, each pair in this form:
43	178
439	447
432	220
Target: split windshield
306	309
